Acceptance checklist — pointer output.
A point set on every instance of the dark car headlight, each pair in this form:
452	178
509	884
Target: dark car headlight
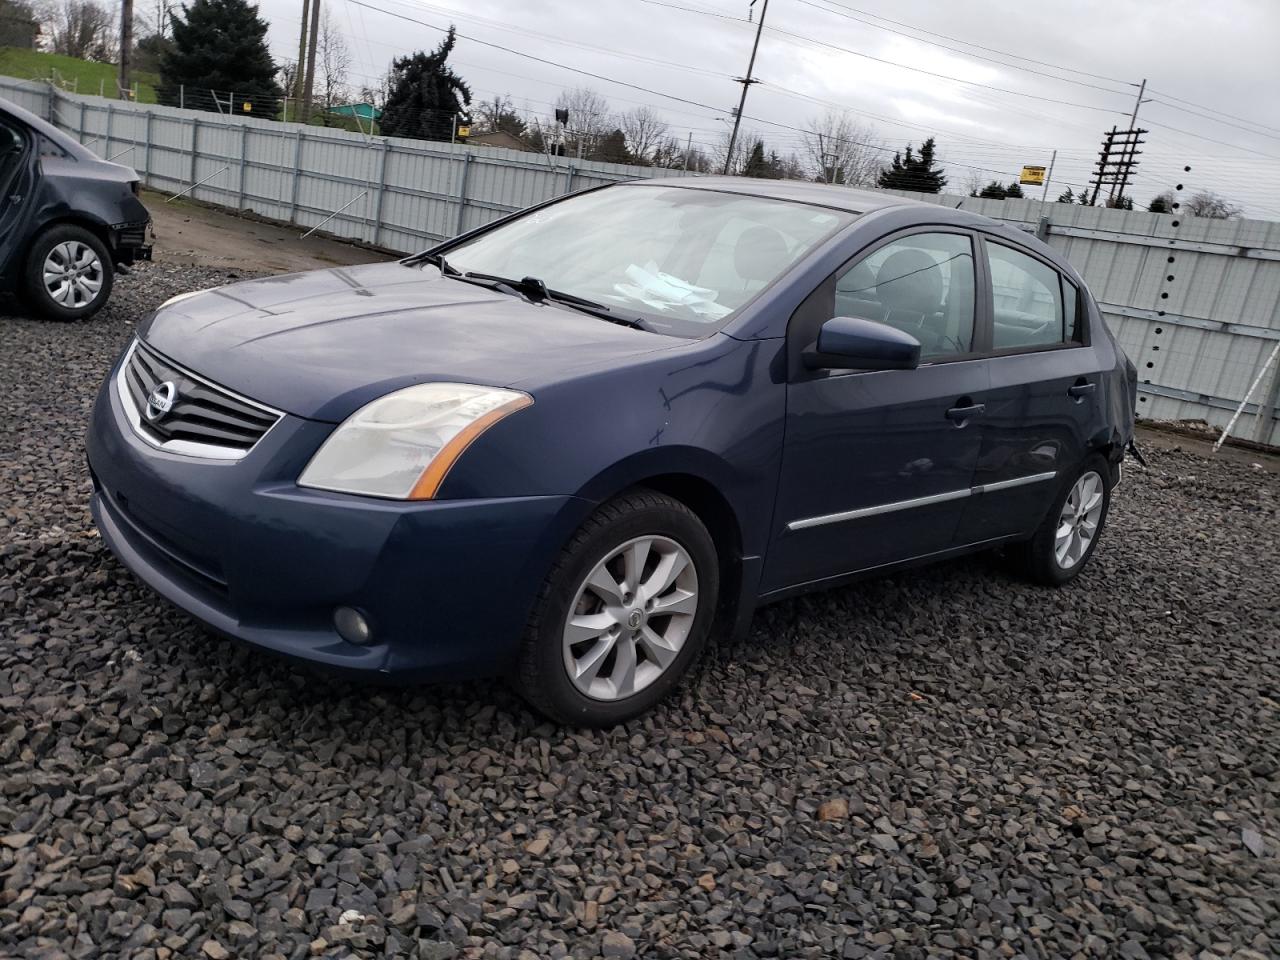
402	445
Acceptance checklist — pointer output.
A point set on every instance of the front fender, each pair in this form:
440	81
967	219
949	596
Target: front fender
712	410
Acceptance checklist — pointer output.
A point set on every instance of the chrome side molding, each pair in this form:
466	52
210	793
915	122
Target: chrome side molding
897	505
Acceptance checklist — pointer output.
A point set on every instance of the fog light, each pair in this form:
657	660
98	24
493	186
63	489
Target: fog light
352	626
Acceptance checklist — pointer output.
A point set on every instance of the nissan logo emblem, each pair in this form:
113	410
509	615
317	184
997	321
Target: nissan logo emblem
161	400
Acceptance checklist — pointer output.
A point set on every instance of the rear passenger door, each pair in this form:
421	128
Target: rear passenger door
1043	403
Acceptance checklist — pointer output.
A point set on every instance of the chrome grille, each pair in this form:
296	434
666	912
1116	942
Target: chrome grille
204	419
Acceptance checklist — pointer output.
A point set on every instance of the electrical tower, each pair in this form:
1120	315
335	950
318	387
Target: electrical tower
1116	162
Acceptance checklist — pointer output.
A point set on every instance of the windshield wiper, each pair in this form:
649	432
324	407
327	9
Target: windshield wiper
535	290
436	259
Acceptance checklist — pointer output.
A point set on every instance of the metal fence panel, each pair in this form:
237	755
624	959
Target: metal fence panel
1198	326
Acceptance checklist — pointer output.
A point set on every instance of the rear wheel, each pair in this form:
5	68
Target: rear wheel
68	273
623	614
1070	532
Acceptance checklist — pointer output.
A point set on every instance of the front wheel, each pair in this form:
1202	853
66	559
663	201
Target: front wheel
623	614
1070	532
68	273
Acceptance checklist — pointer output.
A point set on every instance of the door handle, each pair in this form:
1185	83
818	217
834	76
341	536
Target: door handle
961	414
1080	389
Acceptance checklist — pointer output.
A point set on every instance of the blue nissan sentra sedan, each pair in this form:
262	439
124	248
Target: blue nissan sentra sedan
565	446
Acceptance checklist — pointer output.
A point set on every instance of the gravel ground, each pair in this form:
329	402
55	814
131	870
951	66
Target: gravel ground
942	763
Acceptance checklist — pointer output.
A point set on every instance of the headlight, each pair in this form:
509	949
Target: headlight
180	297
402	445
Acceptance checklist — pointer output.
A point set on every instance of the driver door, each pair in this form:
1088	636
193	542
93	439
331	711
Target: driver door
877	464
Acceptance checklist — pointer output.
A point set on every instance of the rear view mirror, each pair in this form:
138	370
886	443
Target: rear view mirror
852	343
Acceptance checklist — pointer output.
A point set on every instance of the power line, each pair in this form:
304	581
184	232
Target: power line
940	76
1201	106
966	53
634	86
1227	123
969	43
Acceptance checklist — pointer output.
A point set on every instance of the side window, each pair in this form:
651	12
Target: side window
1027	306
922	283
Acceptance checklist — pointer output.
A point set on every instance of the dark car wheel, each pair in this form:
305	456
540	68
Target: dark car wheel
1071	529
623	614
68	273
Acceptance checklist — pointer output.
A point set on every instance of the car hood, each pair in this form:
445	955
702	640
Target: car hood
322	344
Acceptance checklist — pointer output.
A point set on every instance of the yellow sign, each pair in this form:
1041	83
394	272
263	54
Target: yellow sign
1033	176
464	131
247	106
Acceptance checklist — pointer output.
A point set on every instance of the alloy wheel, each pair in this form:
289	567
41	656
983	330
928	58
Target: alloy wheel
630	618
73	274
1078	522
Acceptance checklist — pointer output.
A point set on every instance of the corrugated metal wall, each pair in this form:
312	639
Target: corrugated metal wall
1194	302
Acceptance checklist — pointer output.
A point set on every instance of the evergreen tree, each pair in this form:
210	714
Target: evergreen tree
425	96
1084	198
1014	191
219	48
993	191
914	173
1161	202
756	165
612	148
1068	196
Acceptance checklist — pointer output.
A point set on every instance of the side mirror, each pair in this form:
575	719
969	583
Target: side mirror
852	343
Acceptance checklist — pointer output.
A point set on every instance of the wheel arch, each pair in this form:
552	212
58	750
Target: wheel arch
689	476
94	226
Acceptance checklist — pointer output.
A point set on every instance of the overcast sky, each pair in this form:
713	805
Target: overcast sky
1220	56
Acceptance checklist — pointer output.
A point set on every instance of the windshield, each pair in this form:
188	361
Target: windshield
683	261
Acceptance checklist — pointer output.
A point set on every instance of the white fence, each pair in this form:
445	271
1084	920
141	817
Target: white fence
1194	302
386	191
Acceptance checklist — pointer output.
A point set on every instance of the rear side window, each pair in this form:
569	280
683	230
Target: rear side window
1032	306
923	284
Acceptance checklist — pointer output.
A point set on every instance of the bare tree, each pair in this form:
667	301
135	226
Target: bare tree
839	149
81	29
973	183
1208	204
498	115
645	131
153	18
589	118
335	64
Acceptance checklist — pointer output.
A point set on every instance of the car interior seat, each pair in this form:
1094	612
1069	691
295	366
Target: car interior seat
909	285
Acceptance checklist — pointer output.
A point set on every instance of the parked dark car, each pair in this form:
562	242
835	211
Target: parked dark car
67	219
562	446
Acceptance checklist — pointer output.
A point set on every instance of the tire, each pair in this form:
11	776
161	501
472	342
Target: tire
79	256
1042	557
584	682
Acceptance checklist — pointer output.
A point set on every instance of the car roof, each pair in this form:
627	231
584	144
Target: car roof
798	191
46	129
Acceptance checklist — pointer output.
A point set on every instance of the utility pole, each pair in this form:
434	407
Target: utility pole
126	46
1133	120
309	87
300	69
688	149
746	83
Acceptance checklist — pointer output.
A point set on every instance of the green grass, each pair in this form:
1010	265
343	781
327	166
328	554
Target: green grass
80	76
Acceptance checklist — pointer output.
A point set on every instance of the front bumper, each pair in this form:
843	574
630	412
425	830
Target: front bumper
447	585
